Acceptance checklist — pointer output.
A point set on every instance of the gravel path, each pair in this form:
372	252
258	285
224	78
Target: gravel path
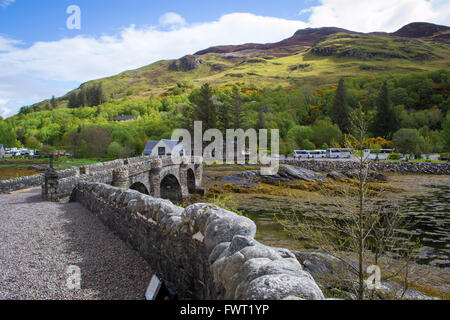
40	240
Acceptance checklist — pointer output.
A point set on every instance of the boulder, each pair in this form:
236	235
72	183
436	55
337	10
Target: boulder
371	175
335	175
299	173
224	229
280	286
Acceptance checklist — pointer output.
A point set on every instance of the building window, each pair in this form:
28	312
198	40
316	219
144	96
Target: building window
161	151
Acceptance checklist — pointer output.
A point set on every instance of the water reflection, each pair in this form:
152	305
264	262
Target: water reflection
427	219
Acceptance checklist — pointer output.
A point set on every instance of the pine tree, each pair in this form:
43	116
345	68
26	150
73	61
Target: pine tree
261	121
340	109
82	98
238	114
100	94
205	109
53	103
224	114
73	97
385	122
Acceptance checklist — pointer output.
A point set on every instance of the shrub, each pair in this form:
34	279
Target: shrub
394	156
308	145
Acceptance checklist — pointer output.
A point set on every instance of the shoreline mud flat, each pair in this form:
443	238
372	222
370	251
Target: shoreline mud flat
262	201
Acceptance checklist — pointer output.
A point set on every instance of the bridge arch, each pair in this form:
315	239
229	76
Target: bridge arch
170	188
139	186
190	181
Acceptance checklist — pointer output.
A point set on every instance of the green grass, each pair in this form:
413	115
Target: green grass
61	163
231	167
418	160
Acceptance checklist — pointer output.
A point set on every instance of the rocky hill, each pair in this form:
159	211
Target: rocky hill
315	55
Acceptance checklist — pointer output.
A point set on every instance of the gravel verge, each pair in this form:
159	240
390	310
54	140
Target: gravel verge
40	240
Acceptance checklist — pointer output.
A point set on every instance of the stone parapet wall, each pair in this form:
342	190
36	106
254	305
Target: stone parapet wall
21	183
37	180
203	251
63	188
382	166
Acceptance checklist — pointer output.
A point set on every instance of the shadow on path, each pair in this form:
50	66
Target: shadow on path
108	266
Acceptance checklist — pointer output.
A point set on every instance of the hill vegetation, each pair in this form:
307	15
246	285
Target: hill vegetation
401	83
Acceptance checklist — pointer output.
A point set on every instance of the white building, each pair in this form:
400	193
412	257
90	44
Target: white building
2	151
162	148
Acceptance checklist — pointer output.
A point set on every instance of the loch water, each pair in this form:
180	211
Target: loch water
427	216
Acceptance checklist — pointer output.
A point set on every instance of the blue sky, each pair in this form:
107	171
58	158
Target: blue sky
44	20
40	57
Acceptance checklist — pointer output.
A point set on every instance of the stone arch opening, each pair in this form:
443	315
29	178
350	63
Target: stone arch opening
139	186
171	188
191	181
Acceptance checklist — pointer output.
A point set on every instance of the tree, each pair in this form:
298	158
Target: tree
299	134
91	142
385	122
32	143
53	103
224	114
261	121
117	151
204	107
408	141
356	231
326	132
73	100
7	135
238	113
340	110
446	133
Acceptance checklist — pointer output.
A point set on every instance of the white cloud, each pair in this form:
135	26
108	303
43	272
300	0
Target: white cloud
380	15
8	44
6	3
84	58
171	19
4	111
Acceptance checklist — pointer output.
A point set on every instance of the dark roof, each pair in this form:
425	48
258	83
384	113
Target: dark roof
170	143
151	144
126	118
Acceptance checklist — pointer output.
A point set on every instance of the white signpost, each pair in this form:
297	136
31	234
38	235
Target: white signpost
153	288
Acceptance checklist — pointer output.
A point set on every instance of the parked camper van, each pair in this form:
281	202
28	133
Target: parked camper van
381	154
317	154
339	153
301	154
310	154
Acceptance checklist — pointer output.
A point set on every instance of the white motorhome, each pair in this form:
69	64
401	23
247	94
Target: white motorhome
339	153
318	154
310	154
301	154
381	154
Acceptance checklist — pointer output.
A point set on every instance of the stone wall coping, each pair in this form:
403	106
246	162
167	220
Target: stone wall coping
241	267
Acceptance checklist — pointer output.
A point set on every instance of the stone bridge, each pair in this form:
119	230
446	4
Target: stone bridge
157	177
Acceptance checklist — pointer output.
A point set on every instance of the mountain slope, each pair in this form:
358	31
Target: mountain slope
317	56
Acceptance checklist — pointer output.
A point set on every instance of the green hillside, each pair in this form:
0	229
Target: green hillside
338	55
401	84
